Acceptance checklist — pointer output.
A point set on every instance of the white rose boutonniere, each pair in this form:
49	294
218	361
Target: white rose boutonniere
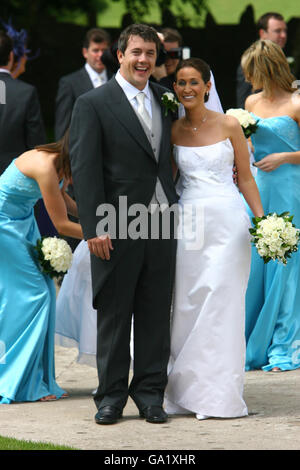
275	236
248	123
54	256
169	102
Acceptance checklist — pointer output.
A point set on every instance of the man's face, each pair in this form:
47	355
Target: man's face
138	61
171	64
93	55
276	32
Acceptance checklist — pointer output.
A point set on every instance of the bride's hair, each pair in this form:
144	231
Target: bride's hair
264	65
198	64
62	148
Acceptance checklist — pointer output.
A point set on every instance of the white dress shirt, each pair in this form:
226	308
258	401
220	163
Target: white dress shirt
131	92
97	79
5	70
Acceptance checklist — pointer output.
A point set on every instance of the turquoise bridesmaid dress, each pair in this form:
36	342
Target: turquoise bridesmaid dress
27	297
273	294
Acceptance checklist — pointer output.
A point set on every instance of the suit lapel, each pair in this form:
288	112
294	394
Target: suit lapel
85	81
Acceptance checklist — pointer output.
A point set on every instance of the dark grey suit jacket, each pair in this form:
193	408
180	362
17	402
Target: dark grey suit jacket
243	88
21	124
111	156
70	87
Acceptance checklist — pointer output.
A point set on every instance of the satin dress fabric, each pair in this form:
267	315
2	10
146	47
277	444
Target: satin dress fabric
206	367
273	295
27	297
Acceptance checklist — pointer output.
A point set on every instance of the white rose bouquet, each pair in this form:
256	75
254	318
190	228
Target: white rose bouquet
248	123
169	102
275	236
54	256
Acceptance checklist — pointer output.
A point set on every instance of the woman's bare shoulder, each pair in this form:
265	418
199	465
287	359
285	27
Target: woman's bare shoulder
36	163
252	100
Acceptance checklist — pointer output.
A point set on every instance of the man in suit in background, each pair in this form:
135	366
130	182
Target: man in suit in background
269	26
21	124
120	146
91	75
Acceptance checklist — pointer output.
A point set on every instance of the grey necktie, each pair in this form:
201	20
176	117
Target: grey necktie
100	81
140	97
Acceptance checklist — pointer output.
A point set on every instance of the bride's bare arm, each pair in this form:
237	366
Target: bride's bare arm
246	182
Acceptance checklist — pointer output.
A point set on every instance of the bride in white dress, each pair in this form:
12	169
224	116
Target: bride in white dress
206	368
76	319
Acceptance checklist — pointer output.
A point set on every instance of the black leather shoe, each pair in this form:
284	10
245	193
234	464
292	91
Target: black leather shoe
108	415
154	414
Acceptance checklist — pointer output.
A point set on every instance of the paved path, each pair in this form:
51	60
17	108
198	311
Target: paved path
273	422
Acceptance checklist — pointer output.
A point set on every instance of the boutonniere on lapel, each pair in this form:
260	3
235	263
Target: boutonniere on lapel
169	102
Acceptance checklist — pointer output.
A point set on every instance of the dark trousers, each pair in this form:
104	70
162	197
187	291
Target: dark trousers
140	286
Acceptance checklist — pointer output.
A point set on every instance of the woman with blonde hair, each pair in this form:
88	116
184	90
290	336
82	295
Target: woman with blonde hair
273	294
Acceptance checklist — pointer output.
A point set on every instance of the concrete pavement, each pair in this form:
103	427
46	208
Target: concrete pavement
273	401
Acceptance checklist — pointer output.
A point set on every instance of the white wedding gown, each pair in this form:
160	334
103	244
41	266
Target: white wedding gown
206	368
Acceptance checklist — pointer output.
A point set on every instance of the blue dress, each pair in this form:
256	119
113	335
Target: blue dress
273	294
27	297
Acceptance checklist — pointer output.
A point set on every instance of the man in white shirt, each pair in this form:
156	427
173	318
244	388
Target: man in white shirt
120	146
91	75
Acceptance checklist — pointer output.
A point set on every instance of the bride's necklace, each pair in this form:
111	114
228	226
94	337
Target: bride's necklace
201	122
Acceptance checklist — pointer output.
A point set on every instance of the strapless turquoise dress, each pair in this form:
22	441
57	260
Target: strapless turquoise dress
273	294
27	297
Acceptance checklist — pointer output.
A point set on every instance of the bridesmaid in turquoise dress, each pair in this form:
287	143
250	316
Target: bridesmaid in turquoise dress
273	294
27	296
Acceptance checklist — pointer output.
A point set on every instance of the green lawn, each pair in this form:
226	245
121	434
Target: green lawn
7	443
224	11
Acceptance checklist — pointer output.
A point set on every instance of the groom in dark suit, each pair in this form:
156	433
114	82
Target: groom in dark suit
120	147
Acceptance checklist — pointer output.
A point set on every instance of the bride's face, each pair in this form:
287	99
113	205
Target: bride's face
190	87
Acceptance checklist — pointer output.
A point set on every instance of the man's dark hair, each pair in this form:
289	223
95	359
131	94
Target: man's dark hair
263	21
97	35
172	35
146	32
6	46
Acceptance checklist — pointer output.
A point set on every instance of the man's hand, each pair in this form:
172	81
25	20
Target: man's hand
100	246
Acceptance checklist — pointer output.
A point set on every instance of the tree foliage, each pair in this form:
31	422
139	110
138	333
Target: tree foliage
139	8
29	13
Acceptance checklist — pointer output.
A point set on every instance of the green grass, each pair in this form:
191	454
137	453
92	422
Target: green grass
8	443
223	11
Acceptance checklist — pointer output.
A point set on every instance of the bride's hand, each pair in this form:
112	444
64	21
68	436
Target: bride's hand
270	162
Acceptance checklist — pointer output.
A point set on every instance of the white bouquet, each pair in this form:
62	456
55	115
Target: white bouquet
54	255
275	236
248	123
169	102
